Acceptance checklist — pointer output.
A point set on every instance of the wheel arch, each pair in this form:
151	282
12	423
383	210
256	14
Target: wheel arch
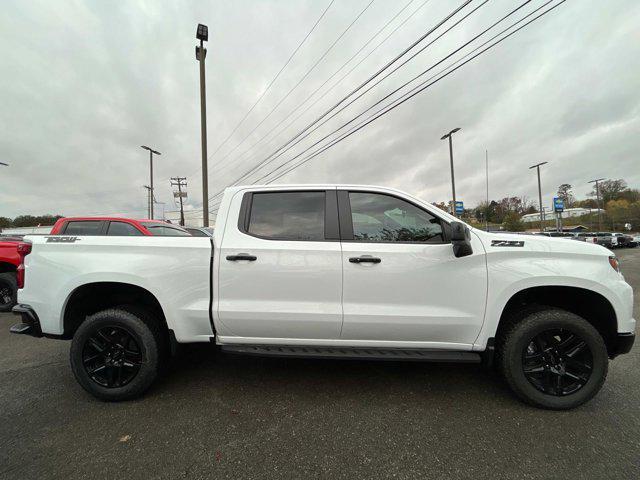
594	307
92	297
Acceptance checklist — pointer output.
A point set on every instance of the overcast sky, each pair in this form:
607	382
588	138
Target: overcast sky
84	84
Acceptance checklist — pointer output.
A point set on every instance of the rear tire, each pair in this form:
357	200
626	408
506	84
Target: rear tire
8	291
554	359
116	353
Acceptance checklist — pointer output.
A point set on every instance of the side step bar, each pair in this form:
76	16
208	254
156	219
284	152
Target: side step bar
355	353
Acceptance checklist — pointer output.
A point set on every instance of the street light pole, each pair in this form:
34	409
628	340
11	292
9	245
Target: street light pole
453	180
202	34
5	164
597	182
151	152
537	167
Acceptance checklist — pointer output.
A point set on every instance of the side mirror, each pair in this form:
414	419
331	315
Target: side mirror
461	239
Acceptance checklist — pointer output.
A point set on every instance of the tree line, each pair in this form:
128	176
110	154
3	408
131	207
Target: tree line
621	205
28	221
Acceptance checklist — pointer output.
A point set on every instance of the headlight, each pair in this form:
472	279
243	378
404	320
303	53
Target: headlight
615	264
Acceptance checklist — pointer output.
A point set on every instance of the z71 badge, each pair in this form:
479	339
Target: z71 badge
62	239
507	243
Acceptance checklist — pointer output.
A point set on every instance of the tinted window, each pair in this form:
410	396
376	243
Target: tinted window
196	233
160	230
288	215
383	218
86	227
122	229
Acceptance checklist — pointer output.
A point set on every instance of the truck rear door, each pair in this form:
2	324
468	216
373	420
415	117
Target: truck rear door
280	266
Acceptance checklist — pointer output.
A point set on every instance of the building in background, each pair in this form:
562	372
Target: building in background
567	213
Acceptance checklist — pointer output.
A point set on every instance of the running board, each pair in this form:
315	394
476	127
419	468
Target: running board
355	353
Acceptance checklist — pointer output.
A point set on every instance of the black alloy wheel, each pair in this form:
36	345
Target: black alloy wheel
112	357
557	362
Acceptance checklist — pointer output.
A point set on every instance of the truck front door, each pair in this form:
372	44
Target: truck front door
401	280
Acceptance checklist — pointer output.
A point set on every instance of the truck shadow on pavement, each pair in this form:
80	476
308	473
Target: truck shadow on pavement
204	367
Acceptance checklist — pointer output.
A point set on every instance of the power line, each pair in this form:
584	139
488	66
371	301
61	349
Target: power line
418	89
410	81
389	63
375	84
366	82
267	159
421	87
288	116
326	52
273	80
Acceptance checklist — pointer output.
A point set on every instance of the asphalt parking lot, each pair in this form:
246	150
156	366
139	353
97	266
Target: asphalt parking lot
217	416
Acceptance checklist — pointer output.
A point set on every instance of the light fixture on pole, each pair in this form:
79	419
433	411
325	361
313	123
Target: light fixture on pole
151	152
537	167
453	180
202	34
5	164
597	182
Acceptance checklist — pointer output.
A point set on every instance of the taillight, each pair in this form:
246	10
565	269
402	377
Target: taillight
615	264
24	249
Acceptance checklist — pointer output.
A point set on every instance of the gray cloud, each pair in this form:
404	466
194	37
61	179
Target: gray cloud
85	84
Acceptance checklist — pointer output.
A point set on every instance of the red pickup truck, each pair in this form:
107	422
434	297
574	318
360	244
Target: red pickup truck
116	226
12	253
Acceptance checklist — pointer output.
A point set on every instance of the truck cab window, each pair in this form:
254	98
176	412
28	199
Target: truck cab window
84	227
288	216
383	218
122	229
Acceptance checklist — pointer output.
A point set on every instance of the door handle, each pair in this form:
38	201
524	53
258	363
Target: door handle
364	259
242	256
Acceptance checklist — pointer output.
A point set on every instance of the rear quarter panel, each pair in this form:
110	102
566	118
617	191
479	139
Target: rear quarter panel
174	269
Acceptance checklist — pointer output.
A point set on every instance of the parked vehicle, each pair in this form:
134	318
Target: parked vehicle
606	239
12	251
556	234
333	272
635	241
115	226
601	238
623	240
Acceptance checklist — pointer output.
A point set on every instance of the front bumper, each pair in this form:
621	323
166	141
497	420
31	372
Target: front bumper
30	324
622	344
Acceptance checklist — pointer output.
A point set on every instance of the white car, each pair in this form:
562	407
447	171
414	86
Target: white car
333	272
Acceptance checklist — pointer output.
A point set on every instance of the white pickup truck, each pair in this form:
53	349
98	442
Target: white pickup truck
333	272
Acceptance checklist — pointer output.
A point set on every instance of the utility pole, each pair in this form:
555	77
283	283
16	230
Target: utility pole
149	200
537	167
486	216
151	152
202	34
597	182
180	182
453	180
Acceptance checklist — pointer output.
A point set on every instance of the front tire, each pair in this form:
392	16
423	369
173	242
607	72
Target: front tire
554	359
116	354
